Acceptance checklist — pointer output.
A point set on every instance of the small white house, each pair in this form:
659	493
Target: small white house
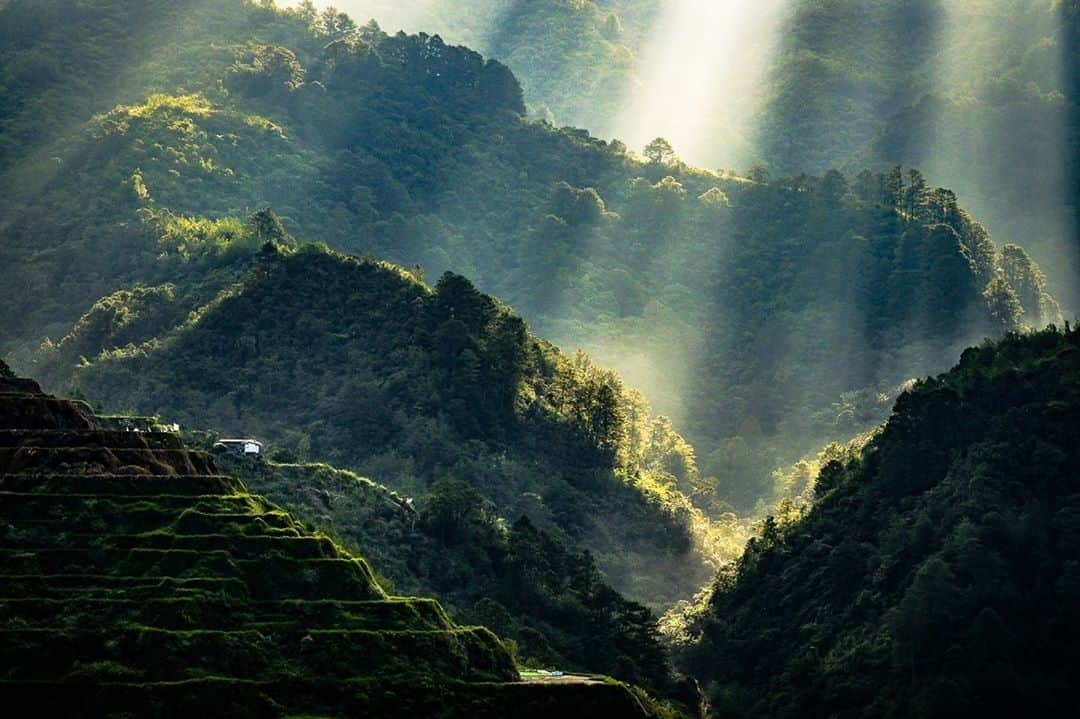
246	447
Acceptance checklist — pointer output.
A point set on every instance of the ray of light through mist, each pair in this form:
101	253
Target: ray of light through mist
1036	213
701	73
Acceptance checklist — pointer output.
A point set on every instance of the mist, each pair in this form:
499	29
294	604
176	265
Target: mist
702	72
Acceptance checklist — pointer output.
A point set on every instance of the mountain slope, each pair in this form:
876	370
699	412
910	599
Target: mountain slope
936	572
516	580
136	578
982	96
418	152
357	363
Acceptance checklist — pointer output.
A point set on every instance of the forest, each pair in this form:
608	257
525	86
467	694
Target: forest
622	328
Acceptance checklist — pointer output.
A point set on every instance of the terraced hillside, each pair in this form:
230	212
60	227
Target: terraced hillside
134	578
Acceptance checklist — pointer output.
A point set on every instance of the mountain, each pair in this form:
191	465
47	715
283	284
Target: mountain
358	363
419	152
137	578
935	572
576	59
982	96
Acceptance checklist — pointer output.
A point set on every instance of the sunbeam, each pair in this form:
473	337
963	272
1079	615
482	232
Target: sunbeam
701	73
997	138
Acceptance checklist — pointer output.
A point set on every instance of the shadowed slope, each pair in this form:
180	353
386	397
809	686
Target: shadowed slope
161	587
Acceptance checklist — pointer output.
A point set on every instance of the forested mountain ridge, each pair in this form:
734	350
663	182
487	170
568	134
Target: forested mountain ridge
376	251
576	59
935	573
417	151
982	96
358	363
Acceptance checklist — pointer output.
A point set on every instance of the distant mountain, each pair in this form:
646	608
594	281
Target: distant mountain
935	573
982	96
727	299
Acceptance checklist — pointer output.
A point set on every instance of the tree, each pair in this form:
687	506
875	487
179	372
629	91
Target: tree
834	186
758	173
924	619
306	11
1003	304
5	371
1024	276
267	70
336	25
267	226
577	207
453	511
892	187
659	152
915	195
714	198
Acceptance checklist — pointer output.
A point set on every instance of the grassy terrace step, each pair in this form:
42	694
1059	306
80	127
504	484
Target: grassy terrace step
185	515
10	438
121	485
381	699
72	460
222	613
68	587
160	654
43	412
273	577
135	580
242	540
32	502
90	531
237	545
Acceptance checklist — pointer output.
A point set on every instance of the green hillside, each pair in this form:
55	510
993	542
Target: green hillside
554	416
357	363
137	579
553	604
982	96
936	572
417	151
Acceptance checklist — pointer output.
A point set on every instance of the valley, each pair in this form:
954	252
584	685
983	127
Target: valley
615	335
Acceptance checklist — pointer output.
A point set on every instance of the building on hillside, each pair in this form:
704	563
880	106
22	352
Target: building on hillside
246	447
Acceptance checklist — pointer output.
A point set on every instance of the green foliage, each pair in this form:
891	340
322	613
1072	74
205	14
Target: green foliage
356	363
931	574
415	150
418	151
522	583
659	152
980	95
153	584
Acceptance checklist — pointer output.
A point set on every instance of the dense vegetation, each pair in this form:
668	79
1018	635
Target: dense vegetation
552	604
936	572
417	151
983	96
164	168
139	580
357	363
576	59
